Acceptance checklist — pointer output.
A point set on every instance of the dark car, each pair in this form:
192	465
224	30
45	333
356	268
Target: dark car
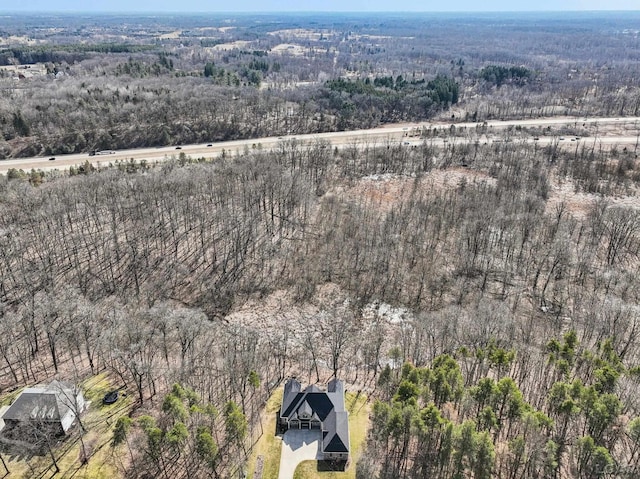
53	158
209	145
178	148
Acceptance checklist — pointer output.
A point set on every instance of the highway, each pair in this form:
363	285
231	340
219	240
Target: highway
340	139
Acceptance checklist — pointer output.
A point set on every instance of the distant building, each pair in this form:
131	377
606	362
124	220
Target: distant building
49	408
313	408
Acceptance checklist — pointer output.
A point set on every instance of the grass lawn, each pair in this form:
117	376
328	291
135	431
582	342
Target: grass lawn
358	425
98	422
268	446
8	398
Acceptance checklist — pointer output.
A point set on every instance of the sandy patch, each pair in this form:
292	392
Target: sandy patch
285	84
16	40
376	37
386	190
280	308
579	203
171	35
25	70
238	44
303	34
288	49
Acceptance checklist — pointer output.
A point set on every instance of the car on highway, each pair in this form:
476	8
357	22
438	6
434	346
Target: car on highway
53	158
102	152
178	148
209	145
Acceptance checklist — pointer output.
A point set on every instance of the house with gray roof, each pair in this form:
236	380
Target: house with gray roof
52	408
313	408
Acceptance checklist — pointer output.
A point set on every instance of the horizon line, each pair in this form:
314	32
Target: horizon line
279	12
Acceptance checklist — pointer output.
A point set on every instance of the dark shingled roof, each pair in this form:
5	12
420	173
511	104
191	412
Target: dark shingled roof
328	406
339	441
34	406
291	389
320	404
49	403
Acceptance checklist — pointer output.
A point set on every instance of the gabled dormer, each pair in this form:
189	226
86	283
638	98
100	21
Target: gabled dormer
304	411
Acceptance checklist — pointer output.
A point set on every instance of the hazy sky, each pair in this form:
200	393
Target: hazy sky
311	5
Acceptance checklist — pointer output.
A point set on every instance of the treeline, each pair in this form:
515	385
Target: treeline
442	90
467	417
186	437
141	68
498	75
249	74
64	53
359	103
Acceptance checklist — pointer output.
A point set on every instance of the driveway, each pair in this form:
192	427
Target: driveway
298	445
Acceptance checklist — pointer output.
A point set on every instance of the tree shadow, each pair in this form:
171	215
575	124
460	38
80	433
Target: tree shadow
280	430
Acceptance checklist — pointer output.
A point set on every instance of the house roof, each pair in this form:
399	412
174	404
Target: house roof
319	402
325	406
338	442
291	389
48	403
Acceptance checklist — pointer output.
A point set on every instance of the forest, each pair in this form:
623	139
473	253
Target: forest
483	297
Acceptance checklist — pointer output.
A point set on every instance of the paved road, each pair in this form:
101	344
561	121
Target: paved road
340	139
298	445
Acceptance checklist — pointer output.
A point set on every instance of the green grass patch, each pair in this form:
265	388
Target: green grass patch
268	446
358	424
8	398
